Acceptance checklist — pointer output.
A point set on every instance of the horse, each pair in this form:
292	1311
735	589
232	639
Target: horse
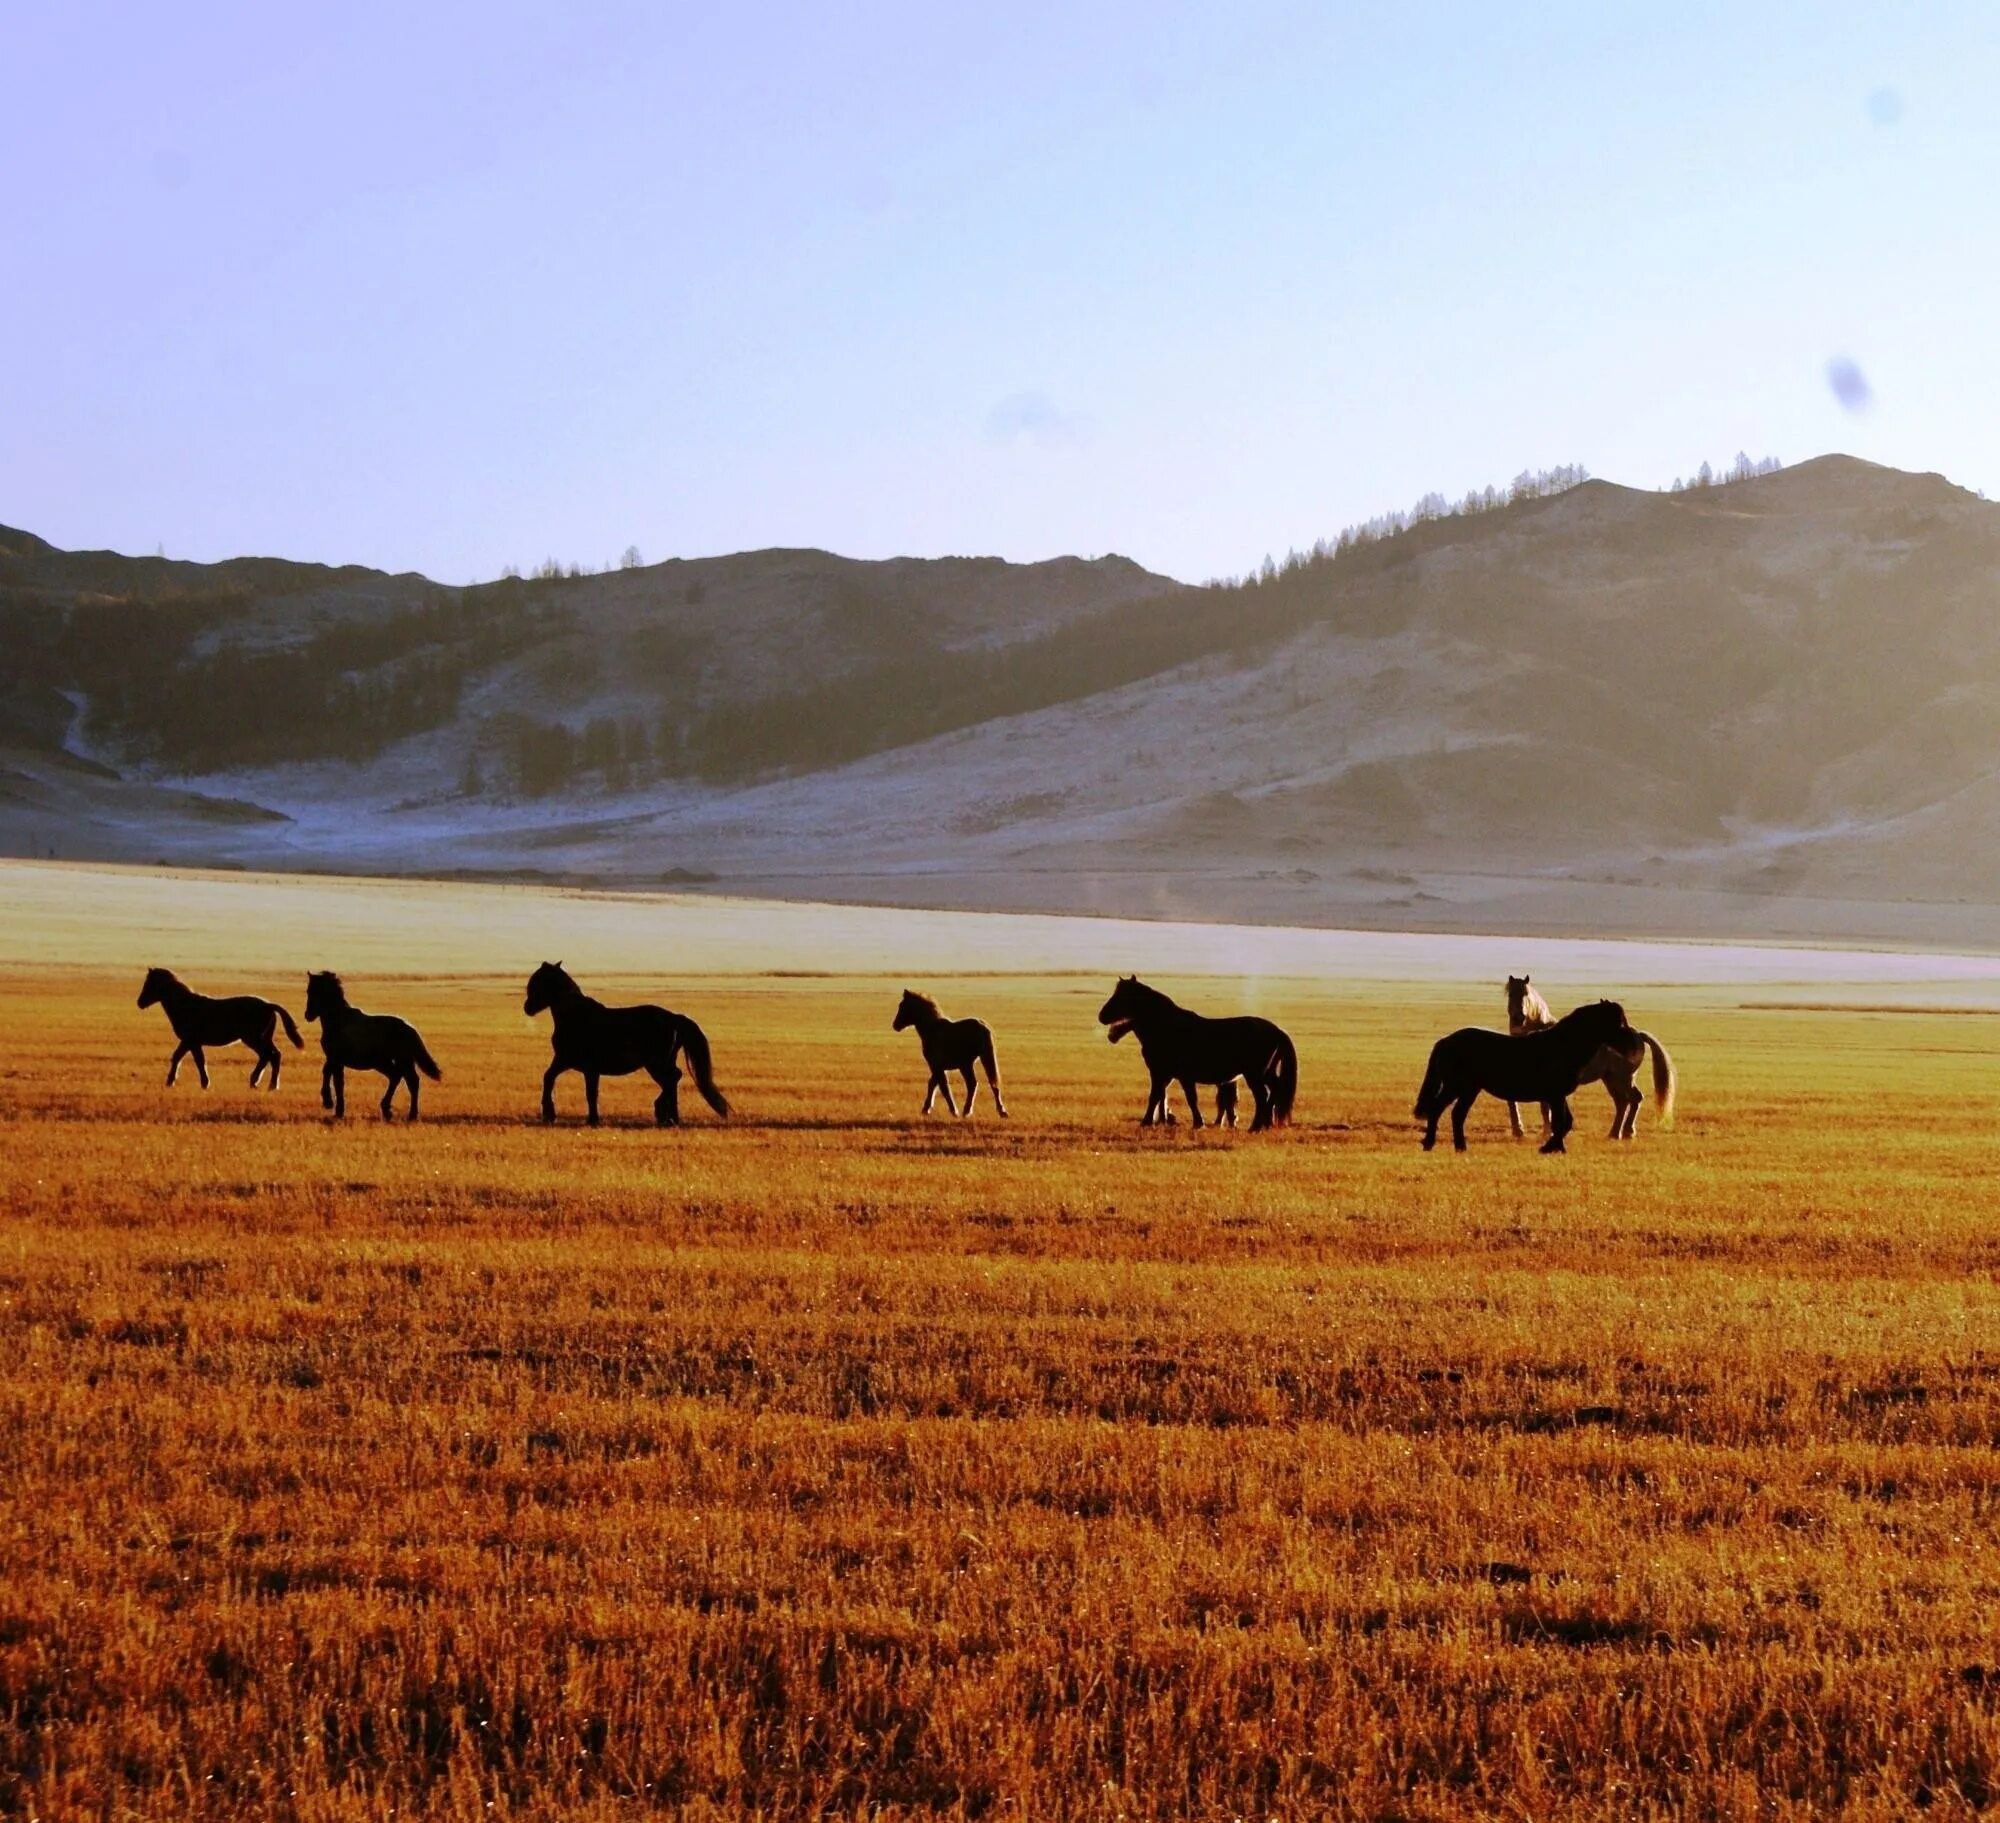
598	1040
353	1040
950	1044
1543	1066
1225	1092
1527	1011
200	1021
1184	1047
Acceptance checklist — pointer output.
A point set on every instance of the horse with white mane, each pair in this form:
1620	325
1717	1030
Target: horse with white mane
1616	1068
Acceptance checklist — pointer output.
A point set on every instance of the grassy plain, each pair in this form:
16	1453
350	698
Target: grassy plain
834	1460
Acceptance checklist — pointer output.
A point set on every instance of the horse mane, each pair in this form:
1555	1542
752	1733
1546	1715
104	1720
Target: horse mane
1151	993
924	1001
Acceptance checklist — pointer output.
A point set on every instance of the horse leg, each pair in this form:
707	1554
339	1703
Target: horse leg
257	1068
1459	1110
590	1080
1263	1100
1431	1126
339	1091
1634	1098
971	1089
200	1063
1194	1106
944	1088
277	1062
174	1063
667	1104
410	1077
1559	1128
549	1078
389	1093
1514	1119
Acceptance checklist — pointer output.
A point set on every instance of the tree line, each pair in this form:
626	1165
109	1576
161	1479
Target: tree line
1529	484
161	676
1742	469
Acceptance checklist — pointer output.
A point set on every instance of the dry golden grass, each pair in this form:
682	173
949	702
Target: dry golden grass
833	1460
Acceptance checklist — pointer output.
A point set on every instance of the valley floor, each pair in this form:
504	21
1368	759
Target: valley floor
832	1460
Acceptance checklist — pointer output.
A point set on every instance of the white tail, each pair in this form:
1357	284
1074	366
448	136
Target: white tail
1664	1080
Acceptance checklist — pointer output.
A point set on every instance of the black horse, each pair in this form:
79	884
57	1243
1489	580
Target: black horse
598	1040
1543	1066
1225	1092
950	1044
1183	1047
199	1021
354	1040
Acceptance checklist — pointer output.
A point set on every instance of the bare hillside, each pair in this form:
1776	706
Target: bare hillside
1766	707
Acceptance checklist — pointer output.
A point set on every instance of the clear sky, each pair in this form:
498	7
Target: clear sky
451	286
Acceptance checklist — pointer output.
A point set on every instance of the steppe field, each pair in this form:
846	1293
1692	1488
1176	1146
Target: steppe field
836	1461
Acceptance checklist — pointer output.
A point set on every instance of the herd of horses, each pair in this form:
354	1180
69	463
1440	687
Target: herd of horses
1538	1059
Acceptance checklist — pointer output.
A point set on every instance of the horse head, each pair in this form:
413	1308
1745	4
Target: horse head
1131	1000
911	1008
1526	1009
324	994
158	981
547	985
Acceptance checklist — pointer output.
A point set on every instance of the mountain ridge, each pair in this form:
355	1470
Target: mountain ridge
1771	705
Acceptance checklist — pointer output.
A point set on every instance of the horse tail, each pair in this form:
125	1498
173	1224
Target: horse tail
291	1031
1284	1070
1432	1097
1665	1079
991	1063
695	1042
424	1061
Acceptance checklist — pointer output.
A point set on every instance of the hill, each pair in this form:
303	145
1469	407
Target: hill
1768	707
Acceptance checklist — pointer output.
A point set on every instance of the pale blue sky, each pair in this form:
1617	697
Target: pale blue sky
447	287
